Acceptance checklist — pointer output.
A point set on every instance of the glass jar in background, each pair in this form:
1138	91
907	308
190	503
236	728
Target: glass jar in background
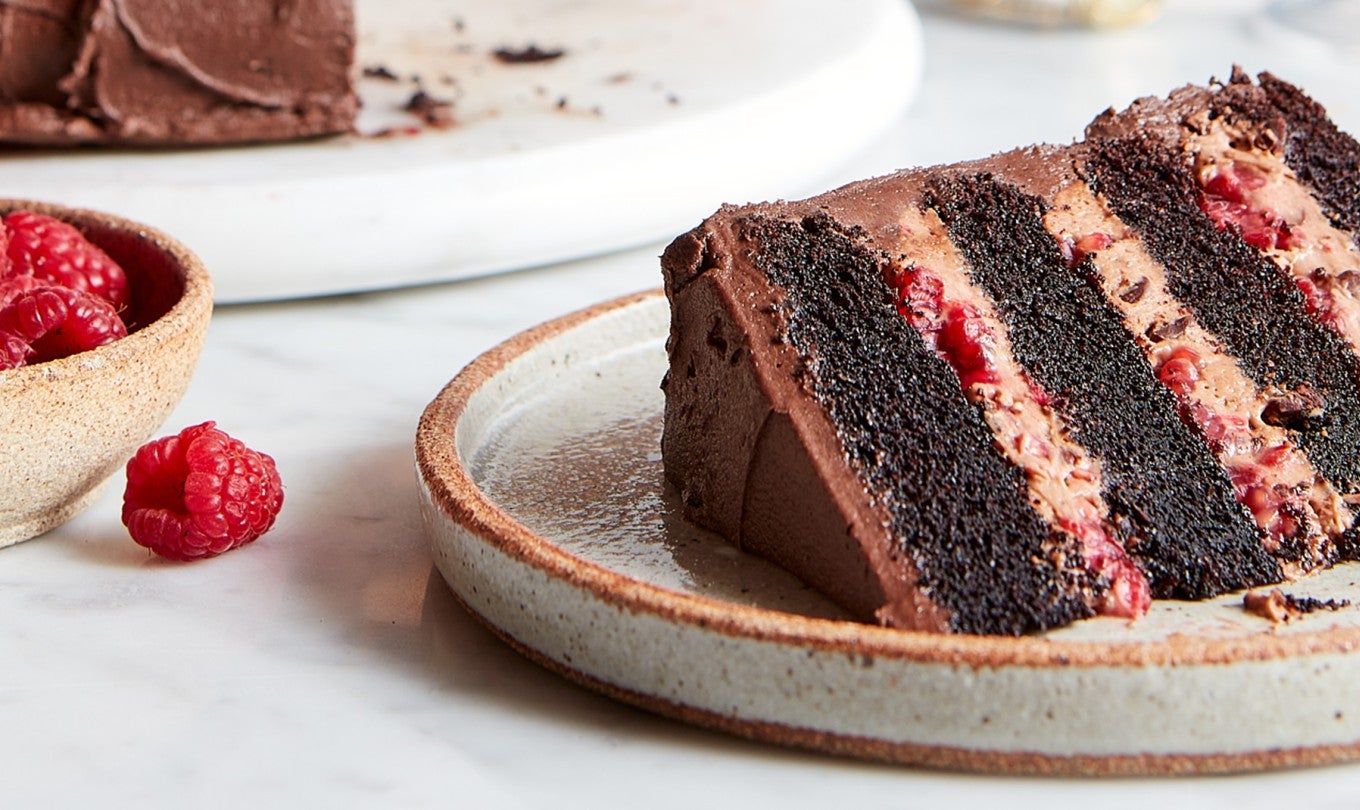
1090	13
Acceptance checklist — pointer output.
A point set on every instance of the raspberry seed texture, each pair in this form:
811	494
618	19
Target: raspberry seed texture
199	493
57	322
57	253
60	294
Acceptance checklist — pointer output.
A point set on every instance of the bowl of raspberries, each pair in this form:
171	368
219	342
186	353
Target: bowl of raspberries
101	324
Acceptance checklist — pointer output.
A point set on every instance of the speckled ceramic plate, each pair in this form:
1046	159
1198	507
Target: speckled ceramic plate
542	491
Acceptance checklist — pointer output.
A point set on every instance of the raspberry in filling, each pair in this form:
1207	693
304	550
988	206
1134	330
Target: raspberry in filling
1075	251
1252	193
1260	467
1129	595
1230	196
1064	481
1300	515
1180	371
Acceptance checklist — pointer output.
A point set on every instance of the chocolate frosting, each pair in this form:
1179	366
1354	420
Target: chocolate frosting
161	72
753	455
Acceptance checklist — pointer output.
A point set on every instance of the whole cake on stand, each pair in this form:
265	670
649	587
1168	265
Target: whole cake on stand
174	72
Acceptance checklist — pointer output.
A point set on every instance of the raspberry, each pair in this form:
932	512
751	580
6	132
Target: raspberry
1180	371
199	493
1226	201
1315	299
1232	183
5	264
921	296
57	322
967	343
11	286
13	351
1075	251
55	252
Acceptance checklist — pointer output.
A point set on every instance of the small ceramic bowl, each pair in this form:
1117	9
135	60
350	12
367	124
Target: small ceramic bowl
67	425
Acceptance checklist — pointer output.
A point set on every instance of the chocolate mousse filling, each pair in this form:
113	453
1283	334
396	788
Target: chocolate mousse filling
1251	185
1241	297
1301	514
955	506
1173	501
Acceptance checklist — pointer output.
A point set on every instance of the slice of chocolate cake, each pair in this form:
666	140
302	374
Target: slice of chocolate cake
171	72
1000	396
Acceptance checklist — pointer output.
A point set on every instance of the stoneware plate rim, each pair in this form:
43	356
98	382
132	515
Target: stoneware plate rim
453	498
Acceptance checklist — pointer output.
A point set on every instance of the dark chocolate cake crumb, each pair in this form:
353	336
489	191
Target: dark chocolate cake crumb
1300	409
434	112
529	54
1311	604
1278	606
1134	292
380	72
1172	329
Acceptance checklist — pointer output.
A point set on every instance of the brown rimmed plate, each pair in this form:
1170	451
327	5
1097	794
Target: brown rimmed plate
542	491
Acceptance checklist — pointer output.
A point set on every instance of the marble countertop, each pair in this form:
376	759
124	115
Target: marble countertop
328	665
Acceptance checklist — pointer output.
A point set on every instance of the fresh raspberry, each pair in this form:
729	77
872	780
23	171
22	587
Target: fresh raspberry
13	351
199	493
55	252
57	322
6	267
11	286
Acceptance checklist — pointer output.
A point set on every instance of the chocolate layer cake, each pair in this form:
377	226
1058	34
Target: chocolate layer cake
1000	396
165	72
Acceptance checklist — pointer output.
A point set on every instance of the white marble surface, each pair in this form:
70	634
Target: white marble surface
328	666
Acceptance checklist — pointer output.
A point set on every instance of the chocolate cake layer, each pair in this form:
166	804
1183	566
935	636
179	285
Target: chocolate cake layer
165	72
982	551
1323	157
1180	517
958	322
1240	296
762	394
1245	153
753	455
1302	515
